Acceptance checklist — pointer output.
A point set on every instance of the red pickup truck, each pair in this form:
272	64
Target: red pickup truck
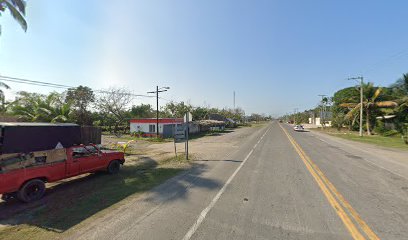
28	183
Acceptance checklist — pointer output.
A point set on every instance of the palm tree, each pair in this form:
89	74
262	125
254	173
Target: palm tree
400	88
61	113
371	101
17	10
30	107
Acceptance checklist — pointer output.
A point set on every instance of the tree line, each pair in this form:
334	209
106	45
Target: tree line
111	109
378	101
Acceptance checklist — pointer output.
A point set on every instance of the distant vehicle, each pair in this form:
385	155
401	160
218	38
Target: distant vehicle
26	179
280	121
298	128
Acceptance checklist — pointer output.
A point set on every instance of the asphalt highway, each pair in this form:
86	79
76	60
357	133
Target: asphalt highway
277	184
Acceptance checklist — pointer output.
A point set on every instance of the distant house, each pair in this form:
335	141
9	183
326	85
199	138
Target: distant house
389	121
147	126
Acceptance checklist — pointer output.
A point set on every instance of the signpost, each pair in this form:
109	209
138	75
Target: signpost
181	131
179	135
187	117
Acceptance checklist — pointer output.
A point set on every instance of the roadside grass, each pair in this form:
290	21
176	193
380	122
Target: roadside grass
76	202
391	141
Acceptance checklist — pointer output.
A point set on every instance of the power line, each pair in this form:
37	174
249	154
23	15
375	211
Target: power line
394	56
54	85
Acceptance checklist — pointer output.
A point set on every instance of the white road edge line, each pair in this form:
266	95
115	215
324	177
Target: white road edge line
204	213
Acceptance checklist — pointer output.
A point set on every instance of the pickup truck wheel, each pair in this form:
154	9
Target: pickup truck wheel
114	167
31	191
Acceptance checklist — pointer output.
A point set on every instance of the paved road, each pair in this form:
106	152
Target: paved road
279	184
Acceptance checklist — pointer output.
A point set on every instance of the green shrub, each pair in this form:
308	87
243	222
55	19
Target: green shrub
380	127
390	133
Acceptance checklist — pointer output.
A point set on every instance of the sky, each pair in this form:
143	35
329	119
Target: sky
276	55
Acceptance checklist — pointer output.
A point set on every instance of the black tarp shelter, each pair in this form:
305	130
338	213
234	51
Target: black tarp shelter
29	137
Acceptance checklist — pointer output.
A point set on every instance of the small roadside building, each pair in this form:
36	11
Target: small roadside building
147	126
388	120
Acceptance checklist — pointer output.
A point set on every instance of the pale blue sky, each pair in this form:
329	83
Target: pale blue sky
276	55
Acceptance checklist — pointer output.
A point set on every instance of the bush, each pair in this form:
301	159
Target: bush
380	127
390	133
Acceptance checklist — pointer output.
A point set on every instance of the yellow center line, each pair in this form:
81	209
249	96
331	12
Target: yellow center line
371	235
325	185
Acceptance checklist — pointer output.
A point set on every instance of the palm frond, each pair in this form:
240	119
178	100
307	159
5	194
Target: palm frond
59	117
44	110
349	105
20	4
353	112
16	15
376	94
2	84
386	104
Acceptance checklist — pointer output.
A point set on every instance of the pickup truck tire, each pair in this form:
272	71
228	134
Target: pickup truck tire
31	191
114	167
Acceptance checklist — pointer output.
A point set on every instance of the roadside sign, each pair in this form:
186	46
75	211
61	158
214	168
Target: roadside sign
188	117
179	133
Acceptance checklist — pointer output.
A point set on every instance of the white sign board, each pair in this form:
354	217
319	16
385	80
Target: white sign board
188	117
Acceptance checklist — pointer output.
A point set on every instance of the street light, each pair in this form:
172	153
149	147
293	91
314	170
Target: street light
162	89
361	101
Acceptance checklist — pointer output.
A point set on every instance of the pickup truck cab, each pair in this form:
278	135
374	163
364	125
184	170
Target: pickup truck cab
28	183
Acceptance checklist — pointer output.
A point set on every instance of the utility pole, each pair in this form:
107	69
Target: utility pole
361	78
162	89
322	110
234	100
294	115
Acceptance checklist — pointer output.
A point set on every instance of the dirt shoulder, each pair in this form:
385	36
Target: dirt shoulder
72	204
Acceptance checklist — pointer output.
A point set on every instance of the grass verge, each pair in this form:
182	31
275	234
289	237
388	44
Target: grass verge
74	203
391	141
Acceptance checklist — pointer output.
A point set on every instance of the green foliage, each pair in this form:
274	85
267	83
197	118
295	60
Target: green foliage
17	11
81	98
177	110
34	107
380	127
390	133
113	107
142	111
338	120
3	106
200	113
374	99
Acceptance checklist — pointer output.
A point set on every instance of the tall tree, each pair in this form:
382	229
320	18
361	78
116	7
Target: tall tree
178	110
81	98
17	10
115	103
142	111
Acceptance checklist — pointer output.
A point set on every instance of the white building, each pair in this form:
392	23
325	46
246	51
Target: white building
147	126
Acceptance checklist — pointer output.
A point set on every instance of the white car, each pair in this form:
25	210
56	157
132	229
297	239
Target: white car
298	128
